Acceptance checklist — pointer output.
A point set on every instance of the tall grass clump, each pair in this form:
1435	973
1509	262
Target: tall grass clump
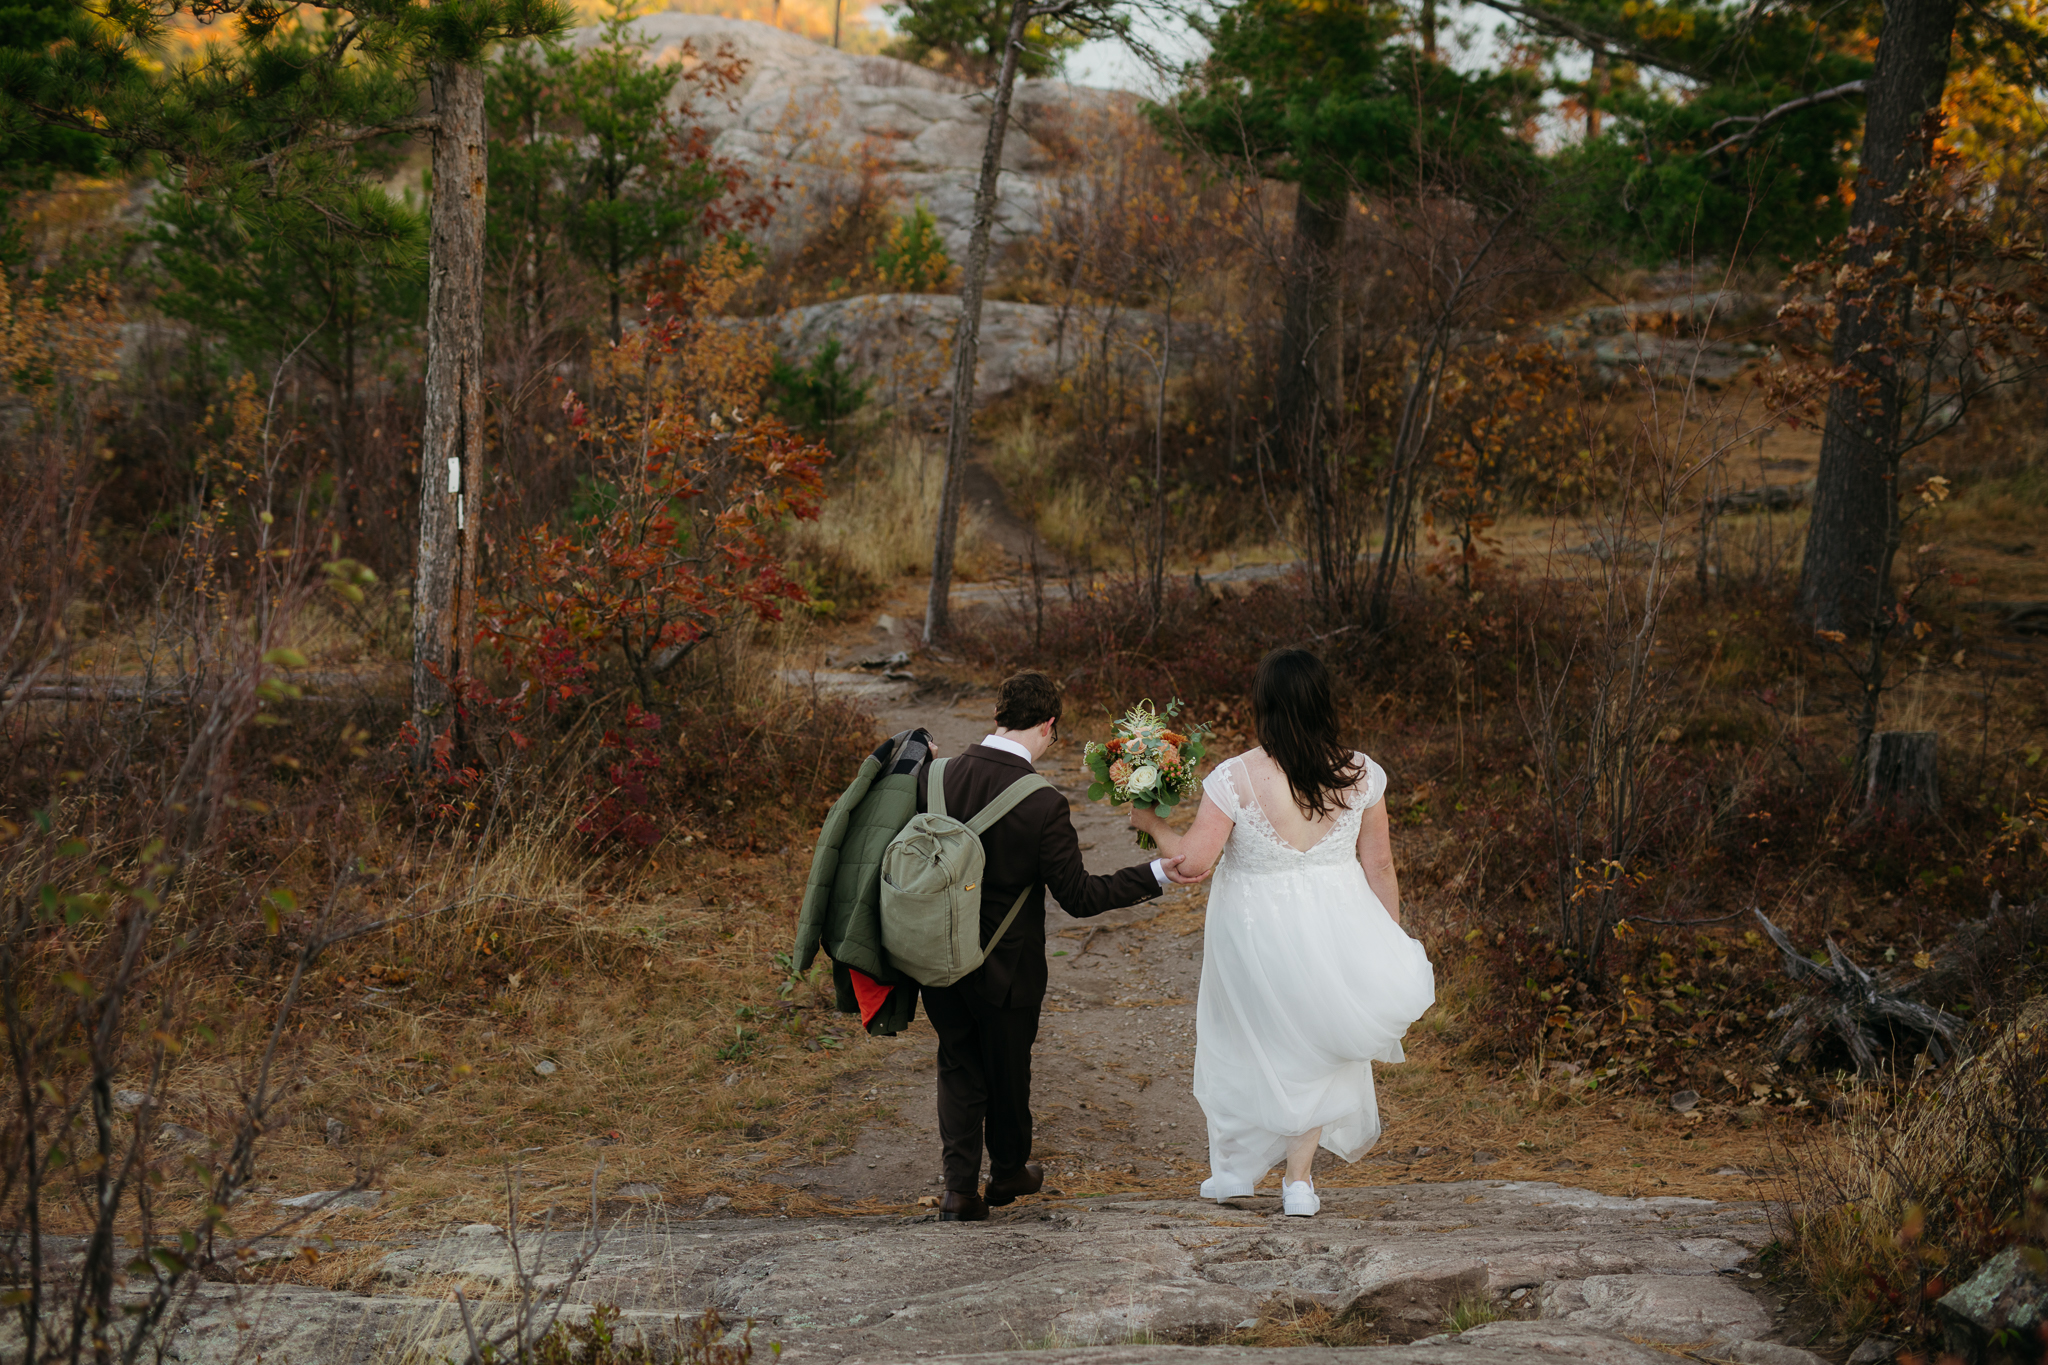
879	516
1923	1184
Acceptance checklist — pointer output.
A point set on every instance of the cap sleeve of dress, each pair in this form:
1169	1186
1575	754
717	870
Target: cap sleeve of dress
1217	787
1375	782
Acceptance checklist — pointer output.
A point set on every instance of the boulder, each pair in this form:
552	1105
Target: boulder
1768	1353
2007	1299
1085	1274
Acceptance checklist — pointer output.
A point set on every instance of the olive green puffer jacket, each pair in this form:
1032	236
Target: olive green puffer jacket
842	909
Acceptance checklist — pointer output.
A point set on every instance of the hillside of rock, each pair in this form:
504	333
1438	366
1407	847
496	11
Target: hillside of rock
821	119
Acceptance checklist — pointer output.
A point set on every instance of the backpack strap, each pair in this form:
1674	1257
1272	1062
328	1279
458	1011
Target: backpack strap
935	788
1004	927
1006	801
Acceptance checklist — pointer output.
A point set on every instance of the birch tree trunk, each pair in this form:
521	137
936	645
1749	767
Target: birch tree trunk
967	335
1856	499
452	447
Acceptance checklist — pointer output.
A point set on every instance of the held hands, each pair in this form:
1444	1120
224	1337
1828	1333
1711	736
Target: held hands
1149	822
1146	821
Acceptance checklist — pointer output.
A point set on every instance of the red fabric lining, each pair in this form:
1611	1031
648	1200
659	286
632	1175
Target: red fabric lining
869	993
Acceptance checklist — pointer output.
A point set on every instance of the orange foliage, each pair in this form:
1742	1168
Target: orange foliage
690	483
1512	437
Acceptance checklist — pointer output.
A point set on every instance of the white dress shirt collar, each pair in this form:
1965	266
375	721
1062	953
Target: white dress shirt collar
1008	746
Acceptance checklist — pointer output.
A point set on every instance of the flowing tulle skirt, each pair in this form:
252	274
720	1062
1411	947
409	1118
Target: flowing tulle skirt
1306	982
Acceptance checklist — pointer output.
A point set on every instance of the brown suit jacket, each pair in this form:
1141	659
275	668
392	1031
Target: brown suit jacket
1034	845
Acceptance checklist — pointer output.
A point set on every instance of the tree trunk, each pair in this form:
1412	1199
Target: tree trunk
452	447
1904	779
1310	348
967	335
1596	90
1156	586
1855	499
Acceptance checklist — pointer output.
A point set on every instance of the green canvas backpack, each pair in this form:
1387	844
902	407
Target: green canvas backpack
931	885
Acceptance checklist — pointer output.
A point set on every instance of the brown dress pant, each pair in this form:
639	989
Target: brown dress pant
984	1082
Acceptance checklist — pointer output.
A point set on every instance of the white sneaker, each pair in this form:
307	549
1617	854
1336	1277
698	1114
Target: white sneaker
1299	1199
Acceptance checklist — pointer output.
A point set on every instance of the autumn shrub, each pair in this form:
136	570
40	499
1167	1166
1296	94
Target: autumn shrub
1926	1181
678	545
1100	641
149	834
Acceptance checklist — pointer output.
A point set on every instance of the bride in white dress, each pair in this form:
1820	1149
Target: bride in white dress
1307	978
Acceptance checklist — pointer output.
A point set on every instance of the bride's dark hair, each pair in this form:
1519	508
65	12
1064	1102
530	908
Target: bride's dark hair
1296	716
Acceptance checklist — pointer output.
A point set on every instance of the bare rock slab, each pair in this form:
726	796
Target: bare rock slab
1083	1275
1673	1308
1502	1343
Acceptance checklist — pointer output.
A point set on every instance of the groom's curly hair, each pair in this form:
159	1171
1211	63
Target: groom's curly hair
1027	699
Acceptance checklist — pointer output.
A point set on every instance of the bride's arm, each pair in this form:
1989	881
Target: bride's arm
1376	856
1199	848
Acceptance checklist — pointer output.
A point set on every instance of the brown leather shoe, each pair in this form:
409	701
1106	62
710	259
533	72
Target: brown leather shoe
962	1208
1030	1180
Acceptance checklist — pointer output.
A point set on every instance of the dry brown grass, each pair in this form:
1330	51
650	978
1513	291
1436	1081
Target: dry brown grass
1288	1321
677	1063
880	518
1921	1184
1070	514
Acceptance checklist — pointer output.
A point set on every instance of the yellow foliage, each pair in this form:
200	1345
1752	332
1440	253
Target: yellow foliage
1998	127
721	362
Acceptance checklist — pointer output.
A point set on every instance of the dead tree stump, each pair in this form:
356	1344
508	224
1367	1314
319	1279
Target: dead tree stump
1903	779
1854	1005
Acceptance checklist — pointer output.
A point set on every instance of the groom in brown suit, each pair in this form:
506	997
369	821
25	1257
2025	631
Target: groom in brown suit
988	1020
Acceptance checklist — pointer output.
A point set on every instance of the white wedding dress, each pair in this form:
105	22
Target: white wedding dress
1306	982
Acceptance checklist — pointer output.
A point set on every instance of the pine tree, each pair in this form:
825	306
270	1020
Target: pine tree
596	162
281	277
1332	99
258	122
969	35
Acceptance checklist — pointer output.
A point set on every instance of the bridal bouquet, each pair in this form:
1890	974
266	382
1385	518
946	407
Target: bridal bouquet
1145	763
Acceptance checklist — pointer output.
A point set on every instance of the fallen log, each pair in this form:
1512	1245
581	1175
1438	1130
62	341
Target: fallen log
171	692
2022	618
1853	1005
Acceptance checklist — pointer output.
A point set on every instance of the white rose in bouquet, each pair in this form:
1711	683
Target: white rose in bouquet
1143	779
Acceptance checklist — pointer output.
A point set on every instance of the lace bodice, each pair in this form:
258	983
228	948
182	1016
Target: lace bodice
1255	846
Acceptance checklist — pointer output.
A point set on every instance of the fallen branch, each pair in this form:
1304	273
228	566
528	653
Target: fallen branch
1854	1006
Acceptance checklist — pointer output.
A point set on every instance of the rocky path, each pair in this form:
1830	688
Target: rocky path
1562	1271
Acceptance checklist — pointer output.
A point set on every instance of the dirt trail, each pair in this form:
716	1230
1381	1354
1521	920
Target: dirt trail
1016	538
